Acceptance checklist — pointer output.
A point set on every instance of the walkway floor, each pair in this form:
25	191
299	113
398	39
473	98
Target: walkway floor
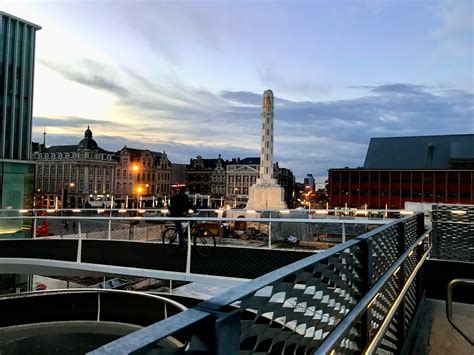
436	335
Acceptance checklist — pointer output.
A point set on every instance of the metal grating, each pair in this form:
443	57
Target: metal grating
453	232
298	312
314	303
384	249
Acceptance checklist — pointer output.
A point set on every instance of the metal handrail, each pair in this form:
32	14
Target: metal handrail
362	305
254	285
146	337
205	219
391	313
449	304
92	290
147	209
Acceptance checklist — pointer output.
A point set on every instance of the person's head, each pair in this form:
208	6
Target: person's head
182	190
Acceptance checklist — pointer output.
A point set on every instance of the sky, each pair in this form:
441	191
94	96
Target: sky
187	77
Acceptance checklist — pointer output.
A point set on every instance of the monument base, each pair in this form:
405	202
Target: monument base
266	195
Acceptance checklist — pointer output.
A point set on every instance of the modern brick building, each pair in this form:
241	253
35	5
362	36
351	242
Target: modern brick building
408	169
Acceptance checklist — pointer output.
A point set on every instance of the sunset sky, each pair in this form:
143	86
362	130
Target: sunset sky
187	76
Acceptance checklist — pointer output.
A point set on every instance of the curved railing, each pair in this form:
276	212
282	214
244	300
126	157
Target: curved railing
122	306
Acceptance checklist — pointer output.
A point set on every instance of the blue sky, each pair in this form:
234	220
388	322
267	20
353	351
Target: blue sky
187	76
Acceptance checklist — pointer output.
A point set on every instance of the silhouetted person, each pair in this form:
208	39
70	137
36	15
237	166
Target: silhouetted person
179	206
74	225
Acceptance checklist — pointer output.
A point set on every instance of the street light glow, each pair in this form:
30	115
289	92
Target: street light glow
135	167
139	189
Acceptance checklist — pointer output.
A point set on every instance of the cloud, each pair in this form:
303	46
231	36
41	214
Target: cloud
88	72
310	136
69	122
394	88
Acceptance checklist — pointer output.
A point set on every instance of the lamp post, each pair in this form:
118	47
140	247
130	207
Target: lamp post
135	170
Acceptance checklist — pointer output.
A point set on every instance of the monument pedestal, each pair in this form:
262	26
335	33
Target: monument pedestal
266	195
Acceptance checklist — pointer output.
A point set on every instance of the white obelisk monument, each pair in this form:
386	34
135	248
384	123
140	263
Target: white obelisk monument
266	193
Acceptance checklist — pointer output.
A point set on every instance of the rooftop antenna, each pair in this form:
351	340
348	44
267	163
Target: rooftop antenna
44	136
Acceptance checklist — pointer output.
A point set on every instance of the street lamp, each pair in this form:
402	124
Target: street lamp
135	168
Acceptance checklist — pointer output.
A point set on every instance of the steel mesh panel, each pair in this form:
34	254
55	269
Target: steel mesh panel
382	304
411	302
389	343
296	313
410	263
385	249
453	234
411	231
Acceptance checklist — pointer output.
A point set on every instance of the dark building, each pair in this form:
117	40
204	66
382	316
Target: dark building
17	63
199	175
285	179
17	59
408	169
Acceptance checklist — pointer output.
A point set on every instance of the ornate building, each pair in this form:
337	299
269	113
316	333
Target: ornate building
74	174
142	174
218	177
243	173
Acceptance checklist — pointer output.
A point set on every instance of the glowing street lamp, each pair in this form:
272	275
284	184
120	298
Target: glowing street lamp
135	168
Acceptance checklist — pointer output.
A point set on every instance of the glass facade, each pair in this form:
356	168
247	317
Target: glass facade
17	51
16	192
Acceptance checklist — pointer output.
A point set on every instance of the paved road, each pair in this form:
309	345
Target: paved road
56	227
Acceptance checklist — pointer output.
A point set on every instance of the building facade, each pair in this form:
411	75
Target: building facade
218	178
75	175
430	169
199	176
17	66
286	180
243	173
144	175
309	182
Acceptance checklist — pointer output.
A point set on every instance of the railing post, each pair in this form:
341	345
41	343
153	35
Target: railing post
110	225
270	233
403	278
343	233
188	251
434	235
366	285
34	225
79	242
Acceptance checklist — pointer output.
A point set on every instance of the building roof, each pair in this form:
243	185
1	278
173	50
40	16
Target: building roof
245	161
35	26
135	153
420	152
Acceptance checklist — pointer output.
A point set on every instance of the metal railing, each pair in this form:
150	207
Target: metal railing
85	252
169	306
449	306
335	301
453	232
